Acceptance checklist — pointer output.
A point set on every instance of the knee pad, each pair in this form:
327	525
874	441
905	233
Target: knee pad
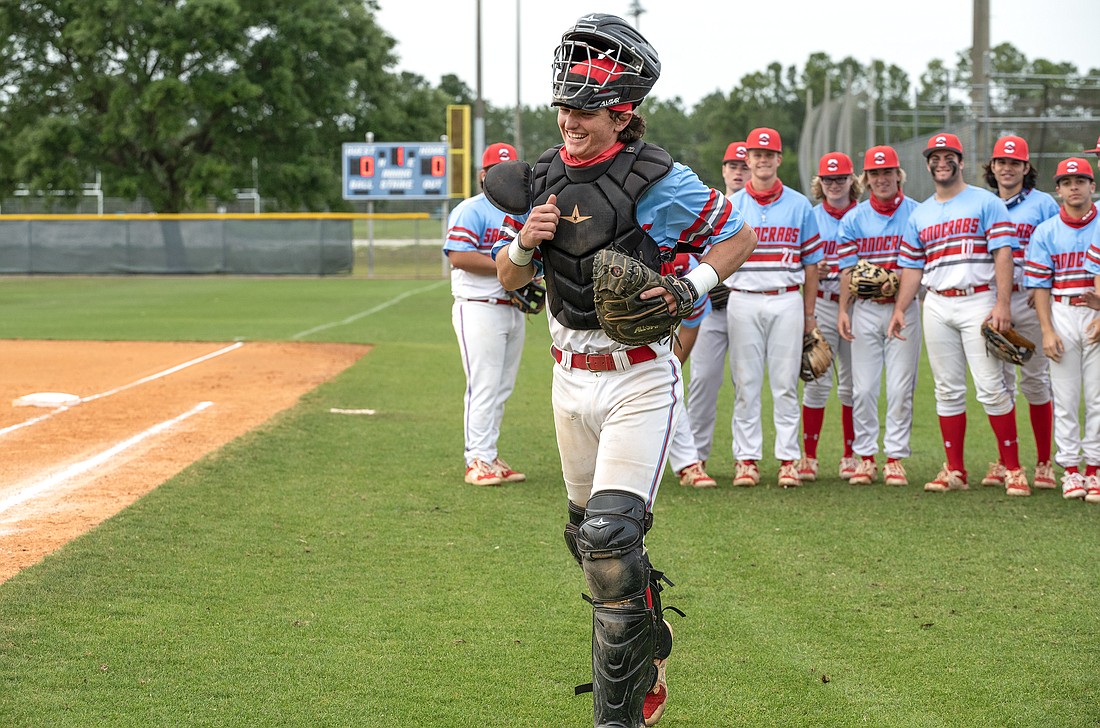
610	541
576	516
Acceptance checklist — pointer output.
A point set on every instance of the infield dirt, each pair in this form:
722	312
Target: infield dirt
141	420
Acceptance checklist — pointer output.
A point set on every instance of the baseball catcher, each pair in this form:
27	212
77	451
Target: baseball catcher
1008	346
817	356
870	281
618	282
531	298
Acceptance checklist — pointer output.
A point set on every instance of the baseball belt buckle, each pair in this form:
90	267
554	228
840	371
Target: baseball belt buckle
598	362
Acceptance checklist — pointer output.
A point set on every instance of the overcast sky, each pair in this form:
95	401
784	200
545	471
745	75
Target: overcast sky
708	45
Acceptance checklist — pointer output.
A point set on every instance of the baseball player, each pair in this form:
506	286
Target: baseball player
683	455
1009	173
959	244
708	359
1055	271
838	190
766	316
489	328
873	232
615	408
1092	265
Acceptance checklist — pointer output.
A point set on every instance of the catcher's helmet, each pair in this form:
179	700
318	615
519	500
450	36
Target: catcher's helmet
603	62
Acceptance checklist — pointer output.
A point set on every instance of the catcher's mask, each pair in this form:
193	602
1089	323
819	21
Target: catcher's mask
603	62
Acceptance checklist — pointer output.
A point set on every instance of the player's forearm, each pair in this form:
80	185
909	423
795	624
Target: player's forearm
1003	270
510	274
472	261
908	287
809	291
1042	310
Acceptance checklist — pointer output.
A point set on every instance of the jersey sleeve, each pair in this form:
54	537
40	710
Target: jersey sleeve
509	229
465	226
813	247
1038	265
680	209
1092	255
999	228
847	249
911	253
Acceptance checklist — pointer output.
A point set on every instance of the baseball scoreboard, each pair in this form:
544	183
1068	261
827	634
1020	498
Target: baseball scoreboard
402	170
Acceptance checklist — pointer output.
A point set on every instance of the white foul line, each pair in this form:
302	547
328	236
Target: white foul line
97	460
124	387
368	312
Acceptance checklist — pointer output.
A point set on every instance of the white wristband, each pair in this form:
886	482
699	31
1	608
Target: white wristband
703	277
518	254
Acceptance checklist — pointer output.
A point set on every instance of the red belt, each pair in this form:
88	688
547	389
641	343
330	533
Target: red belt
1072	300
953	292
828	295
775	292
602	362
497	301
891	299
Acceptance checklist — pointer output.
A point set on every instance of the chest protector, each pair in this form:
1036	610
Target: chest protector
598	206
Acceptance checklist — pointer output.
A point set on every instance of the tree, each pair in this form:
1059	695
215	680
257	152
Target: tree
173	100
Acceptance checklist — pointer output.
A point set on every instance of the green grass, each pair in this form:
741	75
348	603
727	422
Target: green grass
329	570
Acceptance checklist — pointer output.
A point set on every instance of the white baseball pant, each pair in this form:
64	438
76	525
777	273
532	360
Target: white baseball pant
1035	372
952	333
871	351
766	331
1077	372
707	371
815	394
490	340
614	428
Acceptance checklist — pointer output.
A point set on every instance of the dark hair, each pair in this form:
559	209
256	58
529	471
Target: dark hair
991	179
634	131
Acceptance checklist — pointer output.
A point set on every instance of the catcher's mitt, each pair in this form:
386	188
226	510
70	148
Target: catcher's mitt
817	356
529	299
872	281
618	280
1008	346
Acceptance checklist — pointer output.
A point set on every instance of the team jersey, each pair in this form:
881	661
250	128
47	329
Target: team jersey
474	225
827	228
868	234
1056	257
787	240
1026	211
953	241
676	209
1092	257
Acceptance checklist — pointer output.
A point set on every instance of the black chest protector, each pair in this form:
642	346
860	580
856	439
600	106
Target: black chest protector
598	206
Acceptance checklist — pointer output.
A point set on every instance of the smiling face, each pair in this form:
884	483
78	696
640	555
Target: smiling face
884	183
587	134
764	166
837	189
1009	174
945	167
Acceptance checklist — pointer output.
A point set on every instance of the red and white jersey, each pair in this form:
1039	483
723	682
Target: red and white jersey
787	240
865	233
828	228
1092	257
953	241
1026	210
1056	256
474	225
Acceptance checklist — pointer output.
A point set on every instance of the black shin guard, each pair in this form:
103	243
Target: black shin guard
624	623
576	516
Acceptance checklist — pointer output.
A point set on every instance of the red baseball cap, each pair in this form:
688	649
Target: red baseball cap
1011	147
764	138
1073	167
1093	151
736	151
497	153
834	164
943	142
882	157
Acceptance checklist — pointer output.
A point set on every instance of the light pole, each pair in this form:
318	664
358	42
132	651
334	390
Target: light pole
479	104
518	141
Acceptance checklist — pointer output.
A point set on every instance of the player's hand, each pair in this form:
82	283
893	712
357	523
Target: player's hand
541	225
1092	300
896	325
661	292
1053	347
822	270
1000	318
844	325
1092	330
1031	298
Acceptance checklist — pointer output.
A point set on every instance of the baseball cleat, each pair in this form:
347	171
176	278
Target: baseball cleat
1016	482
1044	476
505	472
848	467
1092	488
696	477
893	473
807	470
947	480
747	474
480	472
657	698
1074	485
865	472
995	475
788	475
